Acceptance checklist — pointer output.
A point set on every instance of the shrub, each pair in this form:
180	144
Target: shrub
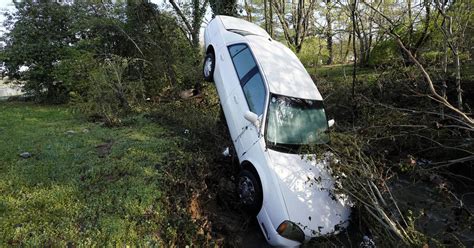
314	52
111	95
384	53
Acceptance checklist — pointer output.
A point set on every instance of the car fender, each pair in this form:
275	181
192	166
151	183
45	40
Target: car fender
273	201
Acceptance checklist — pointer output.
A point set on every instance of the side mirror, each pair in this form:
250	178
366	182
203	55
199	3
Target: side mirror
331	122
252	118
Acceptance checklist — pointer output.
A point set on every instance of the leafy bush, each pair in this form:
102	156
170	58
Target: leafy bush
384	53
314	52
111	95
37	40
74	69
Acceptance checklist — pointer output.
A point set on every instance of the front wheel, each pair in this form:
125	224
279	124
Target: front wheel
208	67
250	192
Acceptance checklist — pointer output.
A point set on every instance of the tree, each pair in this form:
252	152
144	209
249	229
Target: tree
38	40
454	24
464	118
329	33
296	28
224	7
268	13
168	57
191	15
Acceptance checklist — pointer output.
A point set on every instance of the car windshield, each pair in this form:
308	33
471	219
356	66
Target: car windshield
293	122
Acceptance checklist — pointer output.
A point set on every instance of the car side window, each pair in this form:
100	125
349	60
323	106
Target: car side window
242	58
254	92
249	76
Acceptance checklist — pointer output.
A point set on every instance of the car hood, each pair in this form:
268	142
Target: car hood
307	188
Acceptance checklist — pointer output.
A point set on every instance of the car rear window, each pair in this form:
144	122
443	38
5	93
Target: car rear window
243	59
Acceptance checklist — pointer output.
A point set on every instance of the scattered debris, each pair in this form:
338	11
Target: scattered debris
194	93
367	243
226	152
70	132
25	155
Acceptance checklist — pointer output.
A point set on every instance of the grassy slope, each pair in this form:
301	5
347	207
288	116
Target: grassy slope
66	193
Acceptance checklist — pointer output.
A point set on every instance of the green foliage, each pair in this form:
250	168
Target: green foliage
224	7
93	186
169	59
384	53
313	52
74	70
62	46
148	183
110	95
37	40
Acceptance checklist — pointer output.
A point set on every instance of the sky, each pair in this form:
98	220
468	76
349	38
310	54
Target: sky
4	5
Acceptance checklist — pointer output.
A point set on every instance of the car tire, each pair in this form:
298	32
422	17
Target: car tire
208	67
250	192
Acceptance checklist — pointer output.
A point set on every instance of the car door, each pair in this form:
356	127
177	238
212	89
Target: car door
226	81
251	95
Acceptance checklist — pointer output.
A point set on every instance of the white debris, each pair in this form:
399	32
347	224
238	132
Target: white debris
226	152
25	155
367	243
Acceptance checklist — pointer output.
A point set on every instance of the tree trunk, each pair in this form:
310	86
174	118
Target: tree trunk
193	26
280	11
299	27
271	17
299	23
444	85
458	78
349	40
329	32
410	22
248	9
354	69
265	15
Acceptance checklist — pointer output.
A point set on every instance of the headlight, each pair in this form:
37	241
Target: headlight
291	231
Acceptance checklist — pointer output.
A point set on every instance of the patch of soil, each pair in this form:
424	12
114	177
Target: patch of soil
104	149
217	210
436	210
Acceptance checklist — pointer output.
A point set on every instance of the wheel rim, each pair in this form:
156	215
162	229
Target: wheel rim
246	191
208	67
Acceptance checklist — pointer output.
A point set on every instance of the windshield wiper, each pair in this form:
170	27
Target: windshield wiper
289	148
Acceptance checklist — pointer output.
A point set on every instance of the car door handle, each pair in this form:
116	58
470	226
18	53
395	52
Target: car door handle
235	100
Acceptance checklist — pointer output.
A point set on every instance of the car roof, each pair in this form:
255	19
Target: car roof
241	27
284	73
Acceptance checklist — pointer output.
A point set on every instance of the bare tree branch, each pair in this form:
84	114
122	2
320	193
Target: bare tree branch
468	120
181	15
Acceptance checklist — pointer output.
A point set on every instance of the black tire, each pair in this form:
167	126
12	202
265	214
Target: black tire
250	192
208	67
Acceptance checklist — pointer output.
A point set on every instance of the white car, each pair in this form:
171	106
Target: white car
272	107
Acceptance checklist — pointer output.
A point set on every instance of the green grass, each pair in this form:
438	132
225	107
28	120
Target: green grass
343	73
66	194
